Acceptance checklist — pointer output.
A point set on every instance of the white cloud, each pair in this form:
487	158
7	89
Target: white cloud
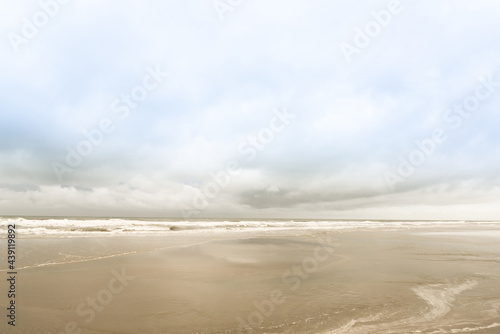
226	77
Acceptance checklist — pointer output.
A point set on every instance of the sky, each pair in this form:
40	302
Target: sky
294	109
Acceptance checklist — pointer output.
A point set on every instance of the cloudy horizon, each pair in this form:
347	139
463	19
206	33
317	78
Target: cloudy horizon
245	109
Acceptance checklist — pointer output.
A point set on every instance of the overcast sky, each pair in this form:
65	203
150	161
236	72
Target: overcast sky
298	108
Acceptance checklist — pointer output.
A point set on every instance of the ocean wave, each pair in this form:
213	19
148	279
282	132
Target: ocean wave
79	227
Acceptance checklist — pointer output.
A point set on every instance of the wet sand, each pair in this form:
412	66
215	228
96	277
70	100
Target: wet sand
292	281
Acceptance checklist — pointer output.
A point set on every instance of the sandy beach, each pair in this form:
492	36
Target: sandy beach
250	167
288	281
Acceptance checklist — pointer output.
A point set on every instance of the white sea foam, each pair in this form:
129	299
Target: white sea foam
439	297
465	329
74	227
348	327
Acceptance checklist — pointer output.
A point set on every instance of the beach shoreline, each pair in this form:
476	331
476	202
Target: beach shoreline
277	281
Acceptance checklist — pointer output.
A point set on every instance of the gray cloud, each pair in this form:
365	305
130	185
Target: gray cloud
354	121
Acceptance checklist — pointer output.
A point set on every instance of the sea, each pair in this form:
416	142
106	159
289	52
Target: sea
67	227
